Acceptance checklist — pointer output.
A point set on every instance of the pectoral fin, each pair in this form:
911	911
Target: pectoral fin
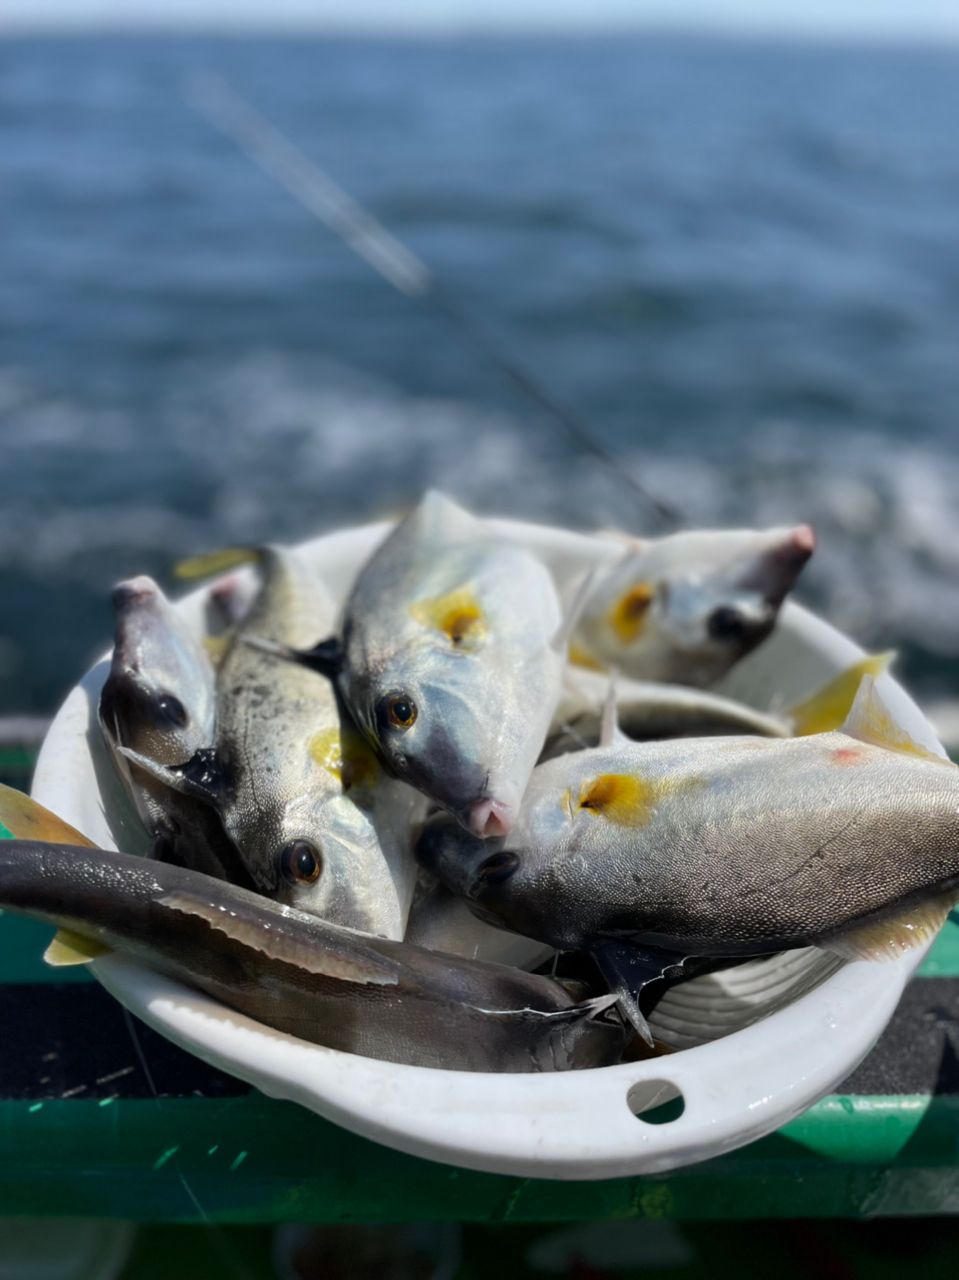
326	657
203	776
629	970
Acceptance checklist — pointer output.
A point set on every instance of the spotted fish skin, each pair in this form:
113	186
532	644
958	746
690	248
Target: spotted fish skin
292	971
294	775
686	607
721	846
460	625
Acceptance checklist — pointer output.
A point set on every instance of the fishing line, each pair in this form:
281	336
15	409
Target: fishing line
360	231
216	1235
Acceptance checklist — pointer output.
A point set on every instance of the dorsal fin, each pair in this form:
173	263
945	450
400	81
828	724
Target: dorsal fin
888	938
610	734
870	720
828	707
564	631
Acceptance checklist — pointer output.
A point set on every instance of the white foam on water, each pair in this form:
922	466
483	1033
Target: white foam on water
284	447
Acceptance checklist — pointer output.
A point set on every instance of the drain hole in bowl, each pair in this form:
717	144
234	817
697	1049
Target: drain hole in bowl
655	1101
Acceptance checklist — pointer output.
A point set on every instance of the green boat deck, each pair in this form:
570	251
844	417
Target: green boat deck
101	1117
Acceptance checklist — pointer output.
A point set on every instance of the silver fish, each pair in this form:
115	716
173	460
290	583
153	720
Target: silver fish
303	799
158	704
723	847
684	608
451	660
292	971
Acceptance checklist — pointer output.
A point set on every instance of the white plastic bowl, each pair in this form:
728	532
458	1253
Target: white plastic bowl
758	1043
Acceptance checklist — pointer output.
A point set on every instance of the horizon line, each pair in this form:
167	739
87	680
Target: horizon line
778	33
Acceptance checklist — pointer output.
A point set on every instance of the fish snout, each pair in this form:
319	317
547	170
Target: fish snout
489	818
139	590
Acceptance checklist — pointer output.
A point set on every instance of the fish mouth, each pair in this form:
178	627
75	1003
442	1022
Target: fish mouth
489	818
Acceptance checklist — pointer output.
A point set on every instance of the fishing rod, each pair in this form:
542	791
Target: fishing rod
326	201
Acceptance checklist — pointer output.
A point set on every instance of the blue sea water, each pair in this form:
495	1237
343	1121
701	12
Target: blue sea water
738	262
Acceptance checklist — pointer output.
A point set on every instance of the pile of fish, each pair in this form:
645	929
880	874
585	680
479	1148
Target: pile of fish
344	803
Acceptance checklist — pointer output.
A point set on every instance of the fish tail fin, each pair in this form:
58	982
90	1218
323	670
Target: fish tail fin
828	707
890	937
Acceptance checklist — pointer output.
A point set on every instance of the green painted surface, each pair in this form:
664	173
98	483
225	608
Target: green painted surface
250	1159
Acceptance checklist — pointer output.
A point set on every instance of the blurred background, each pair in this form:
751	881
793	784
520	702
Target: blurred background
729	248
723	236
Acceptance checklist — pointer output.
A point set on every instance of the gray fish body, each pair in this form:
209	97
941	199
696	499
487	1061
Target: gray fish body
287	763
649	710
302	975
158	700
457	627
718	846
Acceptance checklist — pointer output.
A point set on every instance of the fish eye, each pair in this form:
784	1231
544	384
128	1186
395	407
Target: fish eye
299	862
168	710
726	623
497	868
400	710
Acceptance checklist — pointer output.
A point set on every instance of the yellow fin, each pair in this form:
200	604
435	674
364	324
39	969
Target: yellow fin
627	617
68	948
870	720
24	819
889	938
457	615
626	798
829	706
211	563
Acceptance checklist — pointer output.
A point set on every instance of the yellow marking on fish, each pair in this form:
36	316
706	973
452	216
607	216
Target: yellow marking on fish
828	708
628	799
627	617
457	615
345	756
68	948
216	647
210	563
581	658
27	820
